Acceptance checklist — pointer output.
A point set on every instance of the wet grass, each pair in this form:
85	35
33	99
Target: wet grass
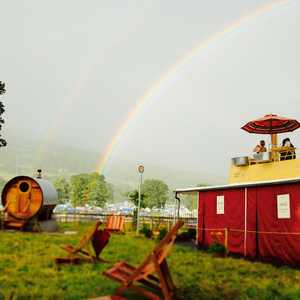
28	271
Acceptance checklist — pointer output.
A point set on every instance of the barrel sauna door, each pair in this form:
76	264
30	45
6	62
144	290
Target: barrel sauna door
24	198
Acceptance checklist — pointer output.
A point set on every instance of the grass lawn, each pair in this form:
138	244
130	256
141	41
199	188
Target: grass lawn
28	271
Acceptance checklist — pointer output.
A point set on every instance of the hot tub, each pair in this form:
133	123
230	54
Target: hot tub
263	157
240	161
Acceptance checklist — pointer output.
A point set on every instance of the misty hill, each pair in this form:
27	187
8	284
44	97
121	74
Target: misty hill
23	156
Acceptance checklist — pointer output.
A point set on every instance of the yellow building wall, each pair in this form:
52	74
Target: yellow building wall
265	171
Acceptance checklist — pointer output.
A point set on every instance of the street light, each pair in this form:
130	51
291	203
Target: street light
141	170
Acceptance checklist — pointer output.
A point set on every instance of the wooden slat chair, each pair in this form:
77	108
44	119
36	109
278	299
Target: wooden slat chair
116	224
127	275
99	239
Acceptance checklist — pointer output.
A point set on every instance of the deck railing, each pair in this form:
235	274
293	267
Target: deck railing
276	156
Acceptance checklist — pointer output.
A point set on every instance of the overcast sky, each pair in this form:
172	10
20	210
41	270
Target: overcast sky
75	71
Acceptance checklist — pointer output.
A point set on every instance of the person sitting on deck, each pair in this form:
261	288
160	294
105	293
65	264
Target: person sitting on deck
287	155
260	148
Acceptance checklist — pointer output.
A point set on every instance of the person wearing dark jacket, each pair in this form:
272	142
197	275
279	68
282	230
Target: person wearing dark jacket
289	154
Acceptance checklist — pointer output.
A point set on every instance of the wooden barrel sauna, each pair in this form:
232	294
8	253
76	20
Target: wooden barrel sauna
26	197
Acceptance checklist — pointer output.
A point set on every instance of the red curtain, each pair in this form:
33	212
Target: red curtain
261	216
200	234
251	249
284	248
233	217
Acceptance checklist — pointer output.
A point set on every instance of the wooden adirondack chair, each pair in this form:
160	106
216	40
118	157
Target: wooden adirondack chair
128	275
116	224
99	239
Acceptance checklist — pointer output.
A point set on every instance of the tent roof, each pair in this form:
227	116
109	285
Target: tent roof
194	191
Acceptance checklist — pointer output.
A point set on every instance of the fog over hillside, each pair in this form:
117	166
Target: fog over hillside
59	160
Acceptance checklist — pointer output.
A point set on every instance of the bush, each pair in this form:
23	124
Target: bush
29	227
217	248
187	235
162	235
146	231
192	233
184	236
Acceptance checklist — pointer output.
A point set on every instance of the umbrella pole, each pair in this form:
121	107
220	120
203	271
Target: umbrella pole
274	145
273	140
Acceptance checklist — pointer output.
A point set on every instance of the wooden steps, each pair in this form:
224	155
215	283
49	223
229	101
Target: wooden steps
15	224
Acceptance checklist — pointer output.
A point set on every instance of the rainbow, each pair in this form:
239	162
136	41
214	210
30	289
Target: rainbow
128	22
165	79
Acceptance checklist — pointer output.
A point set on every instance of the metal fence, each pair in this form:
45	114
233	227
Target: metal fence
151	221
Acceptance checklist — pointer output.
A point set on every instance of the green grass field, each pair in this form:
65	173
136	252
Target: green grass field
28	271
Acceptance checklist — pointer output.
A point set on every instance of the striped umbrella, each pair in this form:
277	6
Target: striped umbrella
271	124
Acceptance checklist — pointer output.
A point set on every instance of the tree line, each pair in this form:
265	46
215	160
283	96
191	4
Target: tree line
93	190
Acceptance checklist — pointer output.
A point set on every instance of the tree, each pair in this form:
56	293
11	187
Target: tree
98	192
191	202
2	88
3	142
133	197
63	187
157	192
79	184
89	189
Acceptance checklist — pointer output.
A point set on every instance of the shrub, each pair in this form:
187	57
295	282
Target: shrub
184	236
29	227
162	235
217	246
187	235
192	233
146	231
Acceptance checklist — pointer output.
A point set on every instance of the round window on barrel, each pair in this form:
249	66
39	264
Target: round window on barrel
24	187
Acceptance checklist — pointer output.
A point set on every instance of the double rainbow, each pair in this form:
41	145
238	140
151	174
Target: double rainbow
150	95
183	63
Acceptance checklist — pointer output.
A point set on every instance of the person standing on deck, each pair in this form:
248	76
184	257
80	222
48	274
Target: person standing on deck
260	148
